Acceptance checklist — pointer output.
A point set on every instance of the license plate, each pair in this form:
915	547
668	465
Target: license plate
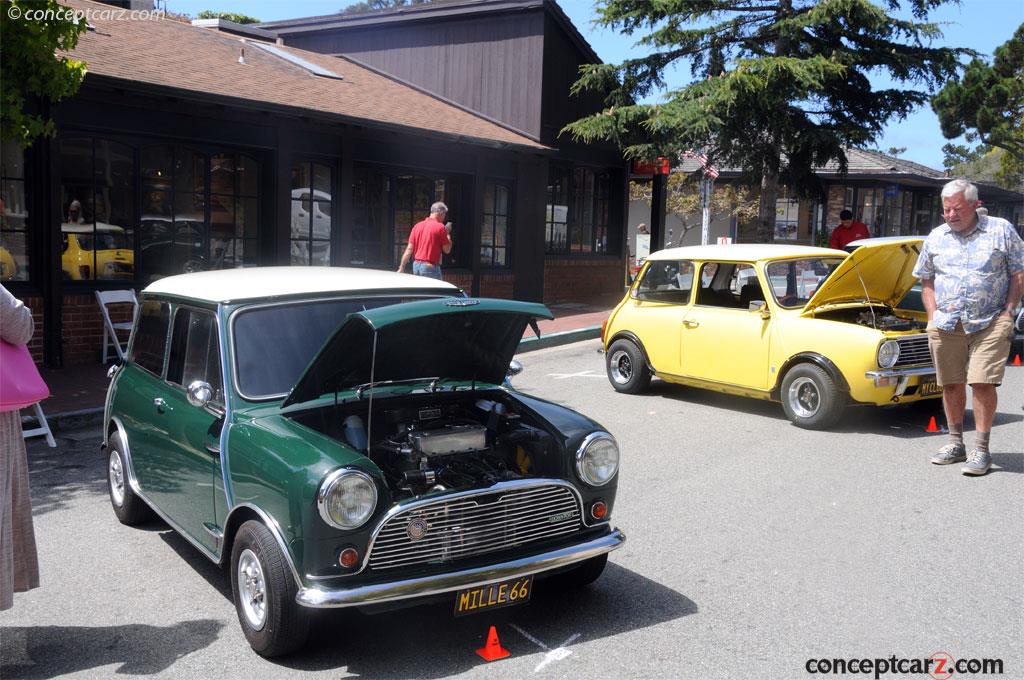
493	596
929	388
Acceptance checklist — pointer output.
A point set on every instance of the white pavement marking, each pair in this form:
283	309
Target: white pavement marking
557	654
581	374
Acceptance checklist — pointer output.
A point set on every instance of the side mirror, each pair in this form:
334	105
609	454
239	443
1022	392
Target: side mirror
515	367
761	307
199	393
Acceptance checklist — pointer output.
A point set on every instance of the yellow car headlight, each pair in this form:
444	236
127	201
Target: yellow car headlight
888	353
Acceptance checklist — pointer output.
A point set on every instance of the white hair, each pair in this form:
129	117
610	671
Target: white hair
438	208
958	186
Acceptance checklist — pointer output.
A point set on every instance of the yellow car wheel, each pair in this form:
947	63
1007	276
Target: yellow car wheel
627	368
810	397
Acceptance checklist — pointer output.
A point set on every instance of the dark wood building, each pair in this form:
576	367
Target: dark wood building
206	146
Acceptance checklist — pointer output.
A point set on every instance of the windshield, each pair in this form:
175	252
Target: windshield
275	344
103	241
794	282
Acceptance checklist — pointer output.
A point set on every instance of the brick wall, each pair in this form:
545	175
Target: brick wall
35	345
497	285
83	328
460	279
570	280
836	199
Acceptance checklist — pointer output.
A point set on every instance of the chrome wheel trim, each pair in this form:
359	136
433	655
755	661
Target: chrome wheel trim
116	478
621	367
804	397
252	589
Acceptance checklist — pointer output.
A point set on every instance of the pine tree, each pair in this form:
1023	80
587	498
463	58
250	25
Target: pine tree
780	86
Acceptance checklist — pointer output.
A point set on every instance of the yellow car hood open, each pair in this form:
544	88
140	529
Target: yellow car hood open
877	272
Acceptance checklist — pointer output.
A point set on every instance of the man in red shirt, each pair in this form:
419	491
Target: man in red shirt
848	230
427	240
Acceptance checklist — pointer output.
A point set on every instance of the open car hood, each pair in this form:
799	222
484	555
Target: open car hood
878	272
450	338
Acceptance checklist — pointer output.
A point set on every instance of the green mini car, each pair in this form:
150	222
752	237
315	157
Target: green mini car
342	438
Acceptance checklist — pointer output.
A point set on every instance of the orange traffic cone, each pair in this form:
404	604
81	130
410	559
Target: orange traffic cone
1016	360
493	650
932	426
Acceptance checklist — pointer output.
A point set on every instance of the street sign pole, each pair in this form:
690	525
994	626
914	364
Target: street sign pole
707	187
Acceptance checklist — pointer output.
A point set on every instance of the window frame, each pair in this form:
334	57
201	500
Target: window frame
491	218
332	239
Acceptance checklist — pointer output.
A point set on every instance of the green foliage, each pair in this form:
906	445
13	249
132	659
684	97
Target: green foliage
780	86
896	151
33	69
954	155
228	16
988	103
379	5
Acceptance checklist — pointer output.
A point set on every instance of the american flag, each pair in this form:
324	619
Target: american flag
702	158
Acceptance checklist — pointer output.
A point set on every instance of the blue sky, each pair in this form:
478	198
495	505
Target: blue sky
981	25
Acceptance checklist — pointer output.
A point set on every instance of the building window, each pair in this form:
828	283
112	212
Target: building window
311	214
98	204
787	219
199	211
494	233
557	219
14	239
869	209
385	207
371	218
577	211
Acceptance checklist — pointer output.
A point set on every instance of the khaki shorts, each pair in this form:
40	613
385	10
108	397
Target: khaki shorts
968	358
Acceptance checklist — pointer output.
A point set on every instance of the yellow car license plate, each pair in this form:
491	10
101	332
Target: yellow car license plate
929	388
493	596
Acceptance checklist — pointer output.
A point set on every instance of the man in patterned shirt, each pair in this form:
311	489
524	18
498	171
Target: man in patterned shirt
972	277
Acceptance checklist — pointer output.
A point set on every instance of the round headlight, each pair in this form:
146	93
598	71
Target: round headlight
597	459
346	498
888	353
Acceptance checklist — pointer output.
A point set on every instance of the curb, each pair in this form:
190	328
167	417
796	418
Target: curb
556	339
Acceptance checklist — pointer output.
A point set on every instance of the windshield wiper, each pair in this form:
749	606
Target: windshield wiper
370	385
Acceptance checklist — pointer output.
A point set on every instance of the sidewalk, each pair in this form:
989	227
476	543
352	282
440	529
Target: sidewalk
77	393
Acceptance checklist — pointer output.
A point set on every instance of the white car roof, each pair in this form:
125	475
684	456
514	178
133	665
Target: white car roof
251	283
743	252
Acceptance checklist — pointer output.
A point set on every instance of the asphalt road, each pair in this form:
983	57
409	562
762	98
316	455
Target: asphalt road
752	547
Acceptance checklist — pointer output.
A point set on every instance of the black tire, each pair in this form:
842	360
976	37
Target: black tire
627	368
584	573
810	397
273	623
129	508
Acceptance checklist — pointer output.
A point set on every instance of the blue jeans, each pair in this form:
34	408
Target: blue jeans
426	269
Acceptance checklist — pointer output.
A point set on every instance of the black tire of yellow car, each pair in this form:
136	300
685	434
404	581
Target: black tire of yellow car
627	368
584	573
286	625
829	403
131	510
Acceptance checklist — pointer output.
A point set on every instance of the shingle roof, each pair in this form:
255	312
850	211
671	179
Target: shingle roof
859	162
170	54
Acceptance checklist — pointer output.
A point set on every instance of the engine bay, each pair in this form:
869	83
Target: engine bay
880	318
441	442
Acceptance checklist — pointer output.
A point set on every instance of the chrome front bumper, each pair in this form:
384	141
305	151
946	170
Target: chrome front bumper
469	578
899	377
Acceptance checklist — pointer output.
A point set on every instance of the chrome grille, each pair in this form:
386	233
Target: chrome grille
466	526
914	350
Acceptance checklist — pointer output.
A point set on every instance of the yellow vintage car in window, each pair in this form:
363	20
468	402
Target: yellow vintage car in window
813	328
100	253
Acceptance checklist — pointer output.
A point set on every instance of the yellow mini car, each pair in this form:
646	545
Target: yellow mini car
813	328
100	253
8	267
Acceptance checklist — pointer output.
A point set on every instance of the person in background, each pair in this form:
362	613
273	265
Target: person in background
428	239
848	230
972	276
19	565
75	212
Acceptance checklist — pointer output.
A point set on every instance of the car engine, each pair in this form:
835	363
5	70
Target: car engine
888	322
454	446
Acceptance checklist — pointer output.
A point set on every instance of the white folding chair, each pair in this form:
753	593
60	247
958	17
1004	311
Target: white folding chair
110	329
42	427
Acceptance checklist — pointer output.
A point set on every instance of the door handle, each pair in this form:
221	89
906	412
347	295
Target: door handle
161	405
690	324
